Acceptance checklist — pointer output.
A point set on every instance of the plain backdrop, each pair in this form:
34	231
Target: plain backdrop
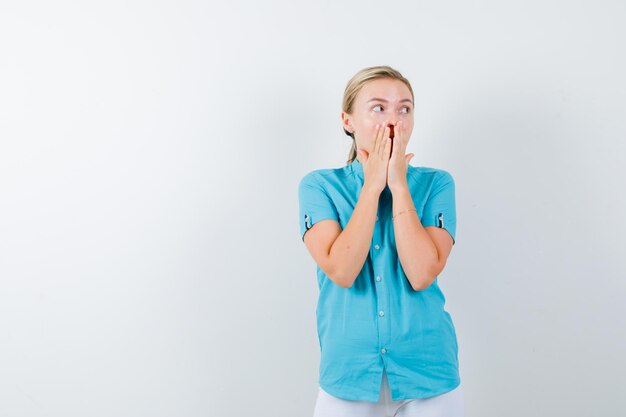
150	258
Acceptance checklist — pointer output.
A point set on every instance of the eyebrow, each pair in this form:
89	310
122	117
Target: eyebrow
385	101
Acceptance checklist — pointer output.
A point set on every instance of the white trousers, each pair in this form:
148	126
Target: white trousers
449	404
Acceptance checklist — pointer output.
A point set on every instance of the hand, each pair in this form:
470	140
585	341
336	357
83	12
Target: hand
399	162
375	163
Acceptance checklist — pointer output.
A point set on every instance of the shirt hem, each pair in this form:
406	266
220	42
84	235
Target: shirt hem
351	397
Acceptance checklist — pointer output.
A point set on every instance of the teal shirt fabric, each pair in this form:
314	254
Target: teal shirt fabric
381	322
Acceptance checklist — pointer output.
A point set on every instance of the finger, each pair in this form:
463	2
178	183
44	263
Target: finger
379	135
375	144
384	139
400	138
387	152
388	147
397	134
393	142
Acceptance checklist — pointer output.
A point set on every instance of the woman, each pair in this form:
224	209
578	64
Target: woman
380	231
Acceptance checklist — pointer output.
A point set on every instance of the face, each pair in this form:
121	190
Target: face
384	101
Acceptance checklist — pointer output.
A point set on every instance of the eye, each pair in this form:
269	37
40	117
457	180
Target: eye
408	109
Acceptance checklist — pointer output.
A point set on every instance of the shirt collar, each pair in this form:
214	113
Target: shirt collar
357	168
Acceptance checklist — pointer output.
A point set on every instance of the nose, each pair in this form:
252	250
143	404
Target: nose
391	122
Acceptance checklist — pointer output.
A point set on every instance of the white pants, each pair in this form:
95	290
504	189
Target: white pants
449	404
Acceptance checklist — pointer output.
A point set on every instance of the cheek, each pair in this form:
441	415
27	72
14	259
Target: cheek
408	127
375	117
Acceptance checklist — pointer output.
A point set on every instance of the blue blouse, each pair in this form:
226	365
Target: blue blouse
381	322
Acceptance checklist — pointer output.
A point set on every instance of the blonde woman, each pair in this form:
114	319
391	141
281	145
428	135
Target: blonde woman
380	232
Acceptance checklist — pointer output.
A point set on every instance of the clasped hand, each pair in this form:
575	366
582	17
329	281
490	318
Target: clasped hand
386	164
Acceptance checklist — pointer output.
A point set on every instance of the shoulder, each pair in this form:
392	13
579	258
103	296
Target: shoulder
324	176
429	175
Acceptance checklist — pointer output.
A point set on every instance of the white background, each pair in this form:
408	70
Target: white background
150	257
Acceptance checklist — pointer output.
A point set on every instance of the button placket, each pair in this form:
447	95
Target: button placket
378	262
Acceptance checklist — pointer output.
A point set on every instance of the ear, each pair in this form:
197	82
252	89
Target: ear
347	121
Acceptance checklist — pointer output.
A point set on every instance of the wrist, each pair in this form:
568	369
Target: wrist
371	190
399	188
393	218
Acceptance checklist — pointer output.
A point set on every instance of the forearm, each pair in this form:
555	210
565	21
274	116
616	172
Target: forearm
351	248
416	250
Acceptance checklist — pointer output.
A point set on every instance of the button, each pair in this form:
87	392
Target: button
378	278
383	350
376	247
381	313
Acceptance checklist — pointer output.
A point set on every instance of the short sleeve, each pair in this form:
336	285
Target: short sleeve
314	204
440	208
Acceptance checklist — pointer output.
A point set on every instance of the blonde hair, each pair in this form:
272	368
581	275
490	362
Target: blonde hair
354	86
